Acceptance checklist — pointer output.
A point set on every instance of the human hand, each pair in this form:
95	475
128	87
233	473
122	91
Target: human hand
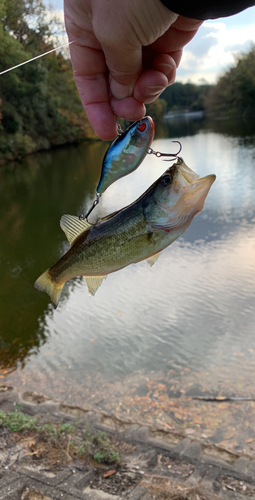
124	54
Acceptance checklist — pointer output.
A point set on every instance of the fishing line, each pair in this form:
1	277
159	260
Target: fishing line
36	57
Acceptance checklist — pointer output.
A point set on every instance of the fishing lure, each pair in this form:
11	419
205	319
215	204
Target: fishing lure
125	154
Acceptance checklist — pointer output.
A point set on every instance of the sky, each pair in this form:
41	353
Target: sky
213	49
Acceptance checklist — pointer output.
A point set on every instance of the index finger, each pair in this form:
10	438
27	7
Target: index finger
92	81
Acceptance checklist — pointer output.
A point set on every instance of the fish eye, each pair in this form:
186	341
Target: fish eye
166	179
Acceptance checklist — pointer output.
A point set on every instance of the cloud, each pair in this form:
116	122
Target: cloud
205	38
240	47
213	49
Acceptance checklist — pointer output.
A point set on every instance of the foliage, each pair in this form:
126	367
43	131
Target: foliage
96	445
49	429
157	109
100	447
185	96
234	93
39	104
16	421
66	428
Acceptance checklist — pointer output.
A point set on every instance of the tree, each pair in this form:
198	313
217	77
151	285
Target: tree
234	93
188	96
40	106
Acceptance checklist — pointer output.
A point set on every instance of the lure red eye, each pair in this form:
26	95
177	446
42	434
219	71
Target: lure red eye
142	127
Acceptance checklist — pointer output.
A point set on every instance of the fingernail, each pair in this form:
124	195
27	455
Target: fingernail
154	90
120	91
165	68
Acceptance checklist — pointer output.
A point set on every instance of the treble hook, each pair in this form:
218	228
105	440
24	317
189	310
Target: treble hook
95	203
158	154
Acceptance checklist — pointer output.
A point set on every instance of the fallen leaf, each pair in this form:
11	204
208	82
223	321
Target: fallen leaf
168	426
161	387
189	431
197	421
177	415
109	473
249	440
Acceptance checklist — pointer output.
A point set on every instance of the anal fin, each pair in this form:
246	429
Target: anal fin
151	260
93	283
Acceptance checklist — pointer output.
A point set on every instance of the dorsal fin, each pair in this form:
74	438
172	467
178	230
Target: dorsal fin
73	226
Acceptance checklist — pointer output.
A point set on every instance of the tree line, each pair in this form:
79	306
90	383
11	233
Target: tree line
39	104
232	95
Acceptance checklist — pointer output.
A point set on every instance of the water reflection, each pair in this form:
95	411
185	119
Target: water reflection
195	306
243	130
34	195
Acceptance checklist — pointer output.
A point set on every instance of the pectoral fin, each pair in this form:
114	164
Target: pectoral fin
73	226
151	260
93	283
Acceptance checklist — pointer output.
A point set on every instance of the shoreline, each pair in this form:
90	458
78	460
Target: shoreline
155	463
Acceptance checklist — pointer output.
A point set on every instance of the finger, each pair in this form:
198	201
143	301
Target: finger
122	51
177	55
150	85
187	24
125	68
174	39
154	81
129	108
166	64
92	84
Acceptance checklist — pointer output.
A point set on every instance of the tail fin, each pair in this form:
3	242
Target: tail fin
45	284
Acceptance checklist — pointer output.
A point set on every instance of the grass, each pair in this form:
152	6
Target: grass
100	445
62	442
16	421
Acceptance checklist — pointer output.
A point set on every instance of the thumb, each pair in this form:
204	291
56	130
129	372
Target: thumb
114	28
125	67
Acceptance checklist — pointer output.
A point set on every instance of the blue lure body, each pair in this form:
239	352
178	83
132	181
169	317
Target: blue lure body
126	152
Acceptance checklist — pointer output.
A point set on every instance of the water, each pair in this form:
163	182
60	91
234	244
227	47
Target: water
184	327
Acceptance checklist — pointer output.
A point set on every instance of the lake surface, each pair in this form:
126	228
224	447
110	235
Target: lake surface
152	338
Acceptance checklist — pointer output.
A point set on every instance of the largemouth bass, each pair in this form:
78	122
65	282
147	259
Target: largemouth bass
137	232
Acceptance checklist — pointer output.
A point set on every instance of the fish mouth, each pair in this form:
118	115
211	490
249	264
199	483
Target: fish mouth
195	188
186	172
